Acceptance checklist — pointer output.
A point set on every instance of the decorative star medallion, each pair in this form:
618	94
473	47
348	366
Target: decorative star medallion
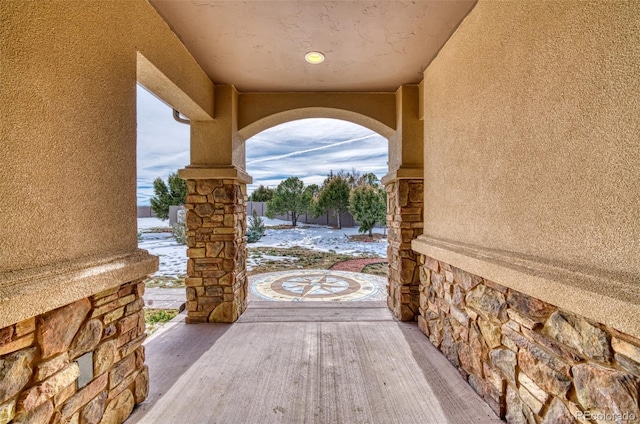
315	285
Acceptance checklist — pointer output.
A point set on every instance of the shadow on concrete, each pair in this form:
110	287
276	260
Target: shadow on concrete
460	403
170	353
283	362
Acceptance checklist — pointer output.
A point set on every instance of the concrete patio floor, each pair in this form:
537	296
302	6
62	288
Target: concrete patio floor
299	362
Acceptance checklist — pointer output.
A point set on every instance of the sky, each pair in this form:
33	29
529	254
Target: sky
307	149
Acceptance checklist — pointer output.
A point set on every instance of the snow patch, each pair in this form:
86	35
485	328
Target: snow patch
148	223
173	256
320	238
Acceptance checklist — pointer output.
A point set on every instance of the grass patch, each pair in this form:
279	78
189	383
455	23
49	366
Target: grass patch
156	318
301	258
366	238
381	269
165	281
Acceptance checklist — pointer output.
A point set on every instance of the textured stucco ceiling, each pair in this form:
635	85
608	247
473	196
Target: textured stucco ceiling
260	45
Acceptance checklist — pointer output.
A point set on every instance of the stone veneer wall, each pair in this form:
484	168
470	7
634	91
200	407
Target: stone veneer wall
404	223
217	250
530	361
39	366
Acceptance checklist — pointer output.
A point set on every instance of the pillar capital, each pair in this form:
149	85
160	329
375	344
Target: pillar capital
403	173
215	173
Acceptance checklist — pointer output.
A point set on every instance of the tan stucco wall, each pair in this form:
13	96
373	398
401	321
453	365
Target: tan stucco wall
406	144
68	124
211	141
532	123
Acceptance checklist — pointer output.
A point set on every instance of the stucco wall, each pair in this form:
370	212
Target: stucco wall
532	123
406	145
68	124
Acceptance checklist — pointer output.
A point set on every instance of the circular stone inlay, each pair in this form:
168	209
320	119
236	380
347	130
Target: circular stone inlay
315	285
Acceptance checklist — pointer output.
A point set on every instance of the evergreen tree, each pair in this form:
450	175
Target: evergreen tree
352	178
311	192
333	195
368	178
256	228
261	194
291	197
368	205
165	196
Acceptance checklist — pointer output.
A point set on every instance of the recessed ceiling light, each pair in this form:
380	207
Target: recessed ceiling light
314	57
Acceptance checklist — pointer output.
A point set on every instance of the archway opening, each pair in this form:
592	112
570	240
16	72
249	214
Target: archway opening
289	261
162	148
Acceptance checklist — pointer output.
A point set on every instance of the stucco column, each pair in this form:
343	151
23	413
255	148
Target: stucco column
404	222
216	215
405	203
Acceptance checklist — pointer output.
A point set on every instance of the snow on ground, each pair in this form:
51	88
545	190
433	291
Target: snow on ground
255	260
148	223
173	256
321	238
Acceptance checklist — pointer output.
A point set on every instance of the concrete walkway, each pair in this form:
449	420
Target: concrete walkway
304	362
164	298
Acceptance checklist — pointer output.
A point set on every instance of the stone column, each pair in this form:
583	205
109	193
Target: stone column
404	223
405	202
217	250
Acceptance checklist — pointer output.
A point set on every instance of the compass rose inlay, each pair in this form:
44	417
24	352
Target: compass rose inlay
315	285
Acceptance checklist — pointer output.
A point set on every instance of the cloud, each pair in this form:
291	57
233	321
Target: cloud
310	148
163	143
307	148
313	149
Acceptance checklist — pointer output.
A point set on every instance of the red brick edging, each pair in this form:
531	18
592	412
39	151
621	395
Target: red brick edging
356	265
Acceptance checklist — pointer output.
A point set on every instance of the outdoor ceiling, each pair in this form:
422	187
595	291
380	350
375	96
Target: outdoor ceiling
260	45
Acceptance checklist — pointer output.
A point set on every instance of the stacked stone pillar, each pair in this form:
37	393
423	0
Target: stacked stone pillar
404	222
216	226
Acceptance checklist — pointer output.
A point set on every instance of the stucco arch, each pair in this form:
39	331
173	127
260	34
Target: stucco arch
258	112
314	112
